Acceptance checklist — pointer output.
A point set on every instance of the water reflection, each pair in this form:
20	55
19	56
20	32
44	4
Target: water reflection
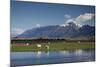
39	53
79	52
47	53
64	52
40	57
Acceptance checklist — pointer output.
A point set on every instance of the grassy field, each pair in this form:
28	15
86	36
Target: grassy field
53	46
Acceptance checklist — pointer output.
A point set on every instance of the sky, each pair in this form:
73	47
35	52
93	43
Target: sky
27	15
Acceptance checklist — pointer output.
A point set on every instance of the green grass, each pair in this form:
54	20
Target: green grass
54	46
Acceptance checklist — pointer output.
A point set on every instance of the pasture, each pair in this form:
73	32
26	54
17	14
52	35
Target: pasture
26	45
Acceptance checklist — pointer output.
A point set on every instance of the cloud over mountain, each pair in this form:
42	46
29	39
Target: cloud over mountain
84	17
79	20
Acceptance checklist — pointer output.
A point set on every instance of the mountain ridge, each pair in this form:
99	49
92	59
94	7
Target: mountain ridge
57	31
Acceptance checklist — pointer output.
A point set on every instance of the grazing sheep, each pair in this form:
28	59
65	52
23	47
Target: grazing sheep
27	44
38	45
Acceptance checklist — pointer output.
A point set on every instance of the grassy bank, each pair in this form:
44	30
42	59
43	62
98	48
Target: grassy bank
53	46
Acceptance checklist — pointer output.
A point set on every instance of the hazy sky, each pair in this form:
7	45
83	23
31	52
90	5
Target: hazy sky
27	15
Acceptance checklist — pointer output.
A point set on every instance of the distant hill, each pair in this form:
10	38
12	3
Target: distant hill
56	31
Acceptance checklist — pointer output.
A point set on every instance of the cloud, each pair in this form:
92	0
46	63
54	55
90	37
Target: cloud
67	16
84	17
16	31
38	25
79	20
67	21
70	20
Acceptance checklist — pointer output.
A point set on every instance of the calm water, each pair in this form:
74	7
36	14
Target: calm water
33	58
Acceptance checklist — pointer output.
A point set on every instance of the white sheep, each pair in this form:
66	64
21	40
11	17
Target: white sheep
27	44
39	45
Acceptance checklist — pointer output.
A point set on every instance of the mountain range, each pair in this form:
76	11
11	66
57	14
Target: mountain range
71	30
